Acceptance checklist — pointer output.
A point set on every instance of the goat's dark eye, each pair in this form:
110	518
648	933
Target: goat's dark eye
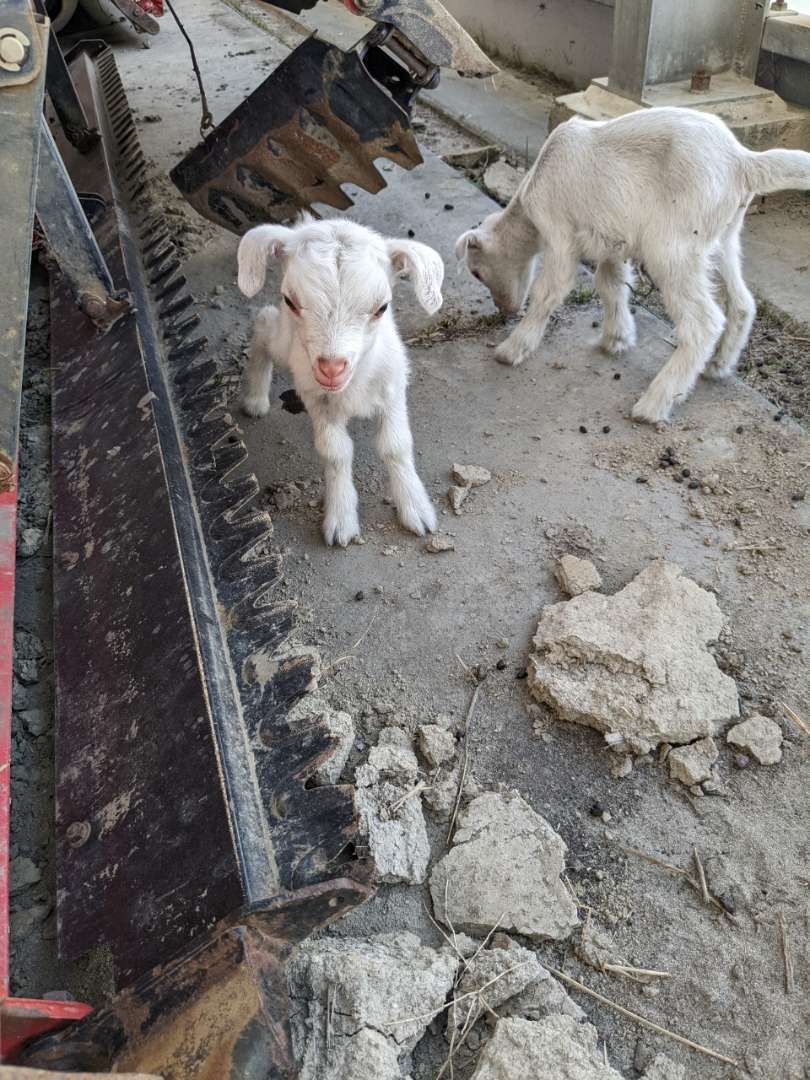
293	307
381	310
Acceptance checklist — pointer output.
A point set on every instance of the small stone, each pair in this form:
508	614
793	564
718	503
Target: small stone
742	761
35	721
437	544
471	475
596	809
359	595
501	665
642	480
457	495
686	472
29	542
693	763
23	872
621	768
436	744
576	575
502	643
759	737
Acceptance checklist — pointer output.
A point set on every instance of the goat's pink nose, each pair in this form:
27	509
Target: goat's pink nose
331	367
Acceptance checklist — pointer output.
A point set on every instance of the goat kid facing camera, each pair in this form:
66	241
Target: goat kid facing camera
335	331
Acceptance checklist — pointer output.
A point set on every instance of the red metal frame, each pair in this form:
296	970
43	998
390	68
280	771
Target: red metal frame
20	1018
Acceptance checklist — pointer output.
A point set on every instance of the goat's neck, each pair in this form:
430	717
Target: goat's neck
516	229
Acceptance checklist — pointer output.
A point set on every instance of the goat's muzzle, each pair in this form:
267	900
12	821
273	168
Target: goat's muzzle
332	372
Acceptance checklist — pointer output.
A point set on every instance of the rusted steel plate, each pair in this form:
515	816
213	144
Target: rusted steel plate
181	783
319	121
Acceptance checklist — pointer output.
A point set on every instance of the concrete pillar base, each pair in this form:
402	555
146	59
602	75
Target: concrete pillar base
758	117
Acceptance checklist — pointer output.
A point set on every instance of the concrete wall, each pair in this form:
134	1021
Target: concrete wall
569	38
784	63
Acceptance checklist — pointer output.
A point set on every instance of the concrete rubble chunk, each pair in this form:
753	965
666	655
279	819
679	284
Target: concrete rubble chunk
693	763
664	1068
504	868
595	948
341	726
436	744
457	494
473	158
759	737
577	575
636	663
557	1046
370	984
437	544
471	476
441	793
503	973
35	721
541	999
502	180
391	824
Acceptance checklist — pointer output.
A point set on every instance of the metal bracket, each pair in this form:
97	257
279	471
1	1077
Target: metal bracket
71	243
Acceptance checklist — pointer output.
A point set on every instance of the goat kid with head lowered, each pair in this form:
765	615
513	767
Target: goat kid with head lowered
336	334
666	188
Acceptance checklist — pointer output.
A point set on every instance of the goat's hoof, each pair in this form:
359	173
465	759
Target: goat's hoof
418	517
340	531
510	353
616	344
652	408
255	406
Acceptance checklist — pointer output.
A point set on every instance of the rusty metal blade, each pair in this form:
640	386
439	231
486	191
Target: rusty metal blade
319	121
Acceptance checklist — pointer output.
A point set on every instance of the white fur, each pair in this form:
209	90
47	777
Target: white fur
339	274
666	188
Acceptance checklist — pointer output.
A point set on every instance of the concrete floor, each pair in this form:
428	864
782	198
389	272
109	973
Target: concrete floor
554	489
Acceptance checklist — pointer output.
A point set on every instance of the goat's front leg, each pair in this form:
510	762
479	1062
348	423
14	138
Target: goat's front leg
334	445
550	288
395	446
614	279
259	368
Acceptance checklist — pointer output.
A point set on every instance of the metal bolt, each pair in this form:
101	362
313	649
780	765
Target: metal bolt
13	48
701	80
78	833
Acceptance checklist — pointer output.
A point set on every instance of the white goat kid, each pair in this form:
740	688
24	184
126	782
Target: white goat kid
667	188
336	333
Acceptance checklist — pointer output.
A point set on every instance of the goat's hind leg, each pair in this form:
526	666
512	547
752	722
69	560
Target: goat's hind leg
740	306
258	375
395	446
699	322
614	279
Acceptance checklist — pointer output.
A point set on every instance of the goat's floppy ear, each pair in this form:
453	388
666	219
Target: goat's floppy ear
467	240
423	266
255	248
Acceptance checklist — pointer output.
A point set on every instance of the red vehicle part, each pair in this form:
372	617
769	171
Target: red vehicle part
20	108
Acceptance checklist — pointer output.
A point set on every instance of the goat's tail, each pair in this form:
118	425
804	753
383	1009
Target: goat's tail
777	170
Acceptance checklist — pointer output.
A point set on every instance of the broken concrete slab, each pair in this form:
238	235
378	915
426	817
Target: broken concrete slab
554	1047
440	795
540	999
474	158
759	737
502	180
341	728
636	663
504	869
577	576
457	495
367	987
436	744
693	763
392	823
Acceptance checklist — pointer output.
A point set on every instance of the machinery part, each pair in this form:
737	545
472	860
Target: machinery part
217	1012
23	40
65	12
104	12
70	239
317	122
426	24
61	90
20	111
179	677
